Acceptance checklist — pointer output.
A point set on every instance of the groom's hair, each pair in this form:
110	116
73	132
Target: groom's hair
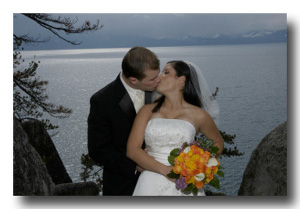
137	60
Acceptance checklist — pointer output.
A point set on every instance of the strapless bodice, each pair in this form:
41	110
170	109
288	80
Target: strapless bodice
163	135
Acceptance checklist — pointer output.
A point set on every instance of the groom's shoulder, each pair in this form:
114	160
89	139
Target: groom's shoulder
106	92
108	89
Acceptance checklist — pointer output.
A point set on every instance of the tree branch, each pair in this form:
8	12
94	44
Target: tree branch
46	21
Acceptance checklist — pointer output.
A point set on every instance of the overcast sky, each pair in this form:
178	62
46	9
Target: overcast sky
168	25
180	25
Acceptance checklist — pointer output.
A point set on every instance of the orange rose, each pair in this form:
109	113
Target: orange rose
185	156
214	170
204	158
195	150
209	178
199	184
185	172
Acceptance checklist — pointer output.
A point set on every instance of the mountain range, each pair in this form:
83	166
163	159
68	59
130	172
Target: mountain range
122	41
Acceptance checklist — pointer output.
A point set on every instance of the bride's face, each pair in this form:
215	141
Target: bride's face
168	80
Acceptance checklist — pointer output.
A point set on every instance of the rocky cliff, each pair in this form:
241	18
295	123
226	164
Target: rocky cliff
266	172
41	141
30	173
34	170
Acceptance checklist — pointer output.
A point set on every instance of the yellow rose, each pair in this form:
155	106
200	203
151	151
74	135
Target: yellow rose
208	171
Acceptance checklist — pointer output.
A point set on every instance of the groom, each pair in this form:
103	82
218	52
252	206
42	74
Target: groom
111	117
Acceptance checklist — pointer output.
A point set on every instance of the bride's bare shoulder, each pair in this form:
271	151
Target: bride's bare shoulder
147	109
143	115
199	113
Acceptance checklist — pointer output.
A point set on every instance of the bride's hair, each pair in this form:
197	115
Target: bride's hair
189	92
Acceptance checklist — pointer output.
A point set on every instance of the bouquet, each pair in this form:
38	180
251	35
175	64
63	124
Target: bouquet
195	165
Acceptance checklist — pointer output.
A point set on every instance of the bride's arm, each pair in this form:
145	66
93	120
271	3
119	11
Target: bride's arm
135	141
209	129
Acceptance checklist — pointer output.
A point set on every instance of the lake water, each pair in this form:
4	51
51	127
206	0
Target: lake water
252	81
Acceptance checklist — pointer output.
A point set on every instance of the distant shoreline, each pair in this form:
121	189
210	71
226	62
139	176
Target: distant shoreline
127	47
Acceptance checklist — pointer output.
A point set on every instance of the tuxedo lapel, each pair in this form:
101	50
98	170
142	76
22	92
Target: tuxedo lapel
127	106
125	101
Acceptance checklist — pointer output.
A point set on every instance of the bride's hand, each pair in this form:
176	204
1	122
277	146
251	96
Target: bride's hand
167	171
139	169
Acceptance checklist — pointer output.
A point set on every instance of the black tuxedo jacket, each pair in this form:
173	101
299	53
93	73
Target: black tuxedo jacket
109	124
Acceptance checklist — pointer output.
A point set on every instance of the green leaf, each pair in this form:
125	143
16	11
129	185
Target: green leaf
220	173
173	175
188	188
220	167
214	150
215	183
195	191
171	159
174	152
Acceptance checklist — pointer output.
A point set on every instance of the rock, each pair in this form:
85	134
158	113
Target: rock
42	142
77	189
30	173
31	177
266	172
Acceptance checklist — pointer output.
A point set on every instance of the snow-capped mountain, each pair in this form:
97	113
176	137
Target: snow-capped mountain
252	37
255	34
261	36
121	40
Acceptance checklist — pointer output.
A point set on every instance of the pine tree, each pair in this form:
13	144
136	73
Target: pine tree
30	96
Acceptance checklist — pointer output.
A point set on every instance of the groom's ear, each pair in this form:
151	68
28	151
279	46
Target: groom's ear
133	80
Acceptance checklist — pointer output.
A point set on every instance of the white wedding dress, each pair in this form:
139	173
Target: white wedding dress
161	137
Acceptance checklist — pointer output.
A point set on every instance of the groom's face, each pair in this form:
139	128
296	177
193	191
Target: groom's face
150	82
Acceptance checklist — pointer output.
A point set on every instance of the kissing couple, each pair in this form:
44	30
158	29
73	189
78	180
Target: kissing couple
131	136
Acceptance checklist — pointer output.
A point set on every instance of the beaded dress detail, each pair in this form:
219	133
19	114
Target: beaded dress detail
161	137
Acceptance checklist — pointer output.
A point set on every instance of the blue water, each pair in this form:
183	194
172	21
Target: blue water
252	81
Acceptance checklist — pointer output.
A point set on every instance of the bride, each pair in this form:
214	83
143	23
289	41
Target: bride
185	108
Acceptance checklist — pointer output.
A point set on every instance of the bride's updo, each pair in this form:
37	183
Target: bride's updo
189	92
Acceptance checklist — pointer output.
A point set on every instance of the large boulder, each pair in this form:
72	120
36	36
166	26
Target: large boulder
77	189
31	177
266	172
30	173
42	142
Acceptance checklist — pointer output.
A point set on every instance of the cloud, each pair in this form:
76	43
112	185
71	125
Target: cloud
118	27
180	25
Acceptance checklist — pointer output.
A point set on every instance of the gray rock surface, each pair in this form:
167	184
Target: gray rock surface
39	138
30	173
31	177
266	172
77	189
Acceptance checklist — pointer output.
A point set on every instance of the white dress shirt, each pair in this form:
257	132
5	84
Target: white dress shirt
137	96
